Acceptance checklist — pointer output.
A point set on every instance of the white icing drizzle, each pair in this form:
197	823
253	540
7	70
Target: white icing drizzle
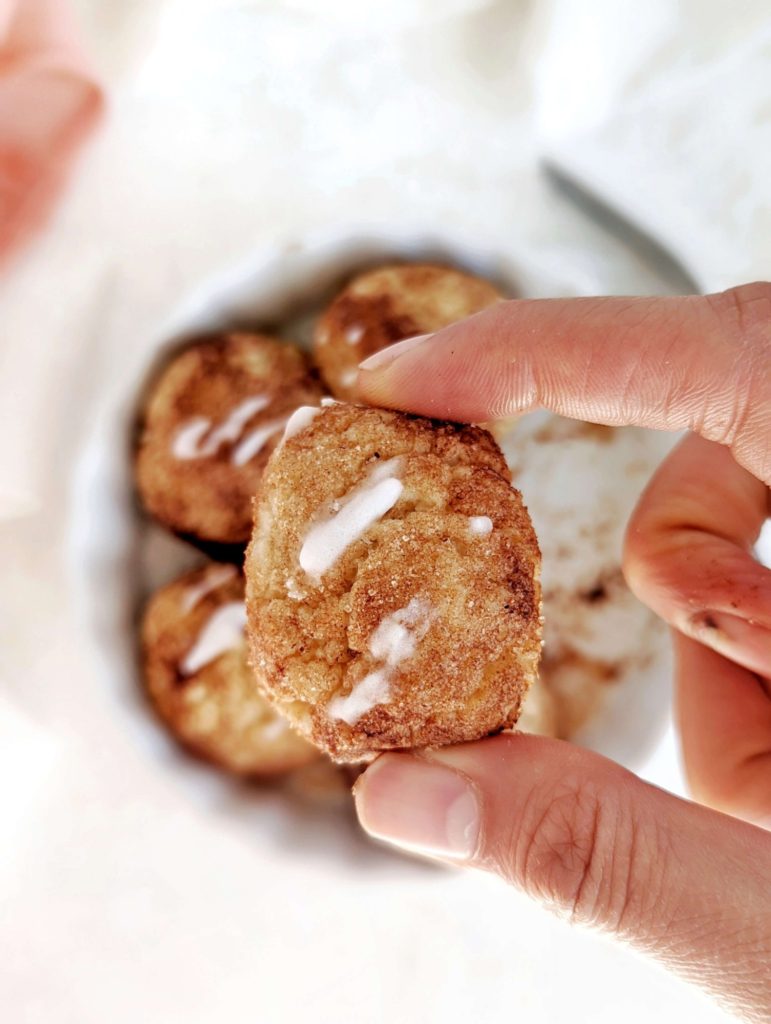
352	515
392	642
214	578
373	689
293	591
255	441
354	334
327	400
274	729
223	632
189	440
298	421
398	634
480	526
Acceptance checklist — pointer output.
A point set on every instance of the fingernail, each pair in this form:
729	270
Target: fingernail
740	639
391	352
419	805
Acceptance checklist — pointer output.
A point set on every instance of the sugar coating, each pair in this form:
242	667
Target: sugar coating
216	576
480	526
188	442
355	513
224	631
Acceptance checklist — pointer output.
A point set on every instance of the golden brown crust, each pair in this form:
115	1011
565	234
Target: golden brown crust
217	711
466	604
386	305
208	496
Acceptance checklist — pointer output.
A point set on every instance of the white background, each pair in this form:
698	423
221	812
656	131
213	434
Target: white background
236	126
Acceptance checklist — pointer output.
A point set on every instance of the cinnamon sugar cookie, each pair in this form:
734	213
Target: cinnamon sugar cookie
386	305
196	673
392	583
209	426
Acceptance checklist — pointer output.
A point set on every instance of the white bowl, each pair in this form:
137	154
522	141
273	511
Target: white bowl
117	556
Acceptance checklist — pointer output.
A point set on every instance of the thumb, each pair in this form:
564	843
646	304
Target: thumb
591	840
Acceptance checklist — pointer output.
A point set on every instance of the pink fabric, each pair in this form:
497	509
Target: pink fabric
49	101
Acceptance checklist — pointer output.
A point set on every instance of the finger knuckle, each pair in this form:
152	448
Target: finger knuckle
746	309
743	423
561	859
581	852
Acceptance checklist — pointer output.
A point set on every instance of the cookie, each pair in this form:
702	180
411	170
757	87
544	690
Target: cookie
386	305
208	427
197	676
393	589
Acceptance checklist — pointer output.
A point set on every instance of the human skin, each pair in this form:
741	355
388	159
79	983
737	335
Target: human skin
49	103
688	883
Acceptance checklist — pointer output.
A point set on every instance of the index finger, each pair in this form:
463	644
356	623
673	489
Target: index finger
696	362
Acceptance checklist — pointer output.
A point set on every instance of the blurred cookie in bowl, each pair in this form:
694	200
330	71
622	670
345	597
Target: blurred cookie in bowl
540	713
581	482
383	306
197	677
207	429
596	639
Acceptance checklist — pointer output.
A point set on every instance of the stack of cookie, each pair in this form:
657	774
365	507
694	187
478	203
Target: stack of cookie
392	578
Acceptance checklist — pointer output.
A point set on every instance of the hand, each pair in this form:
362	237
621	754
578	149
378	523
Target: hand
689	885
49	103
